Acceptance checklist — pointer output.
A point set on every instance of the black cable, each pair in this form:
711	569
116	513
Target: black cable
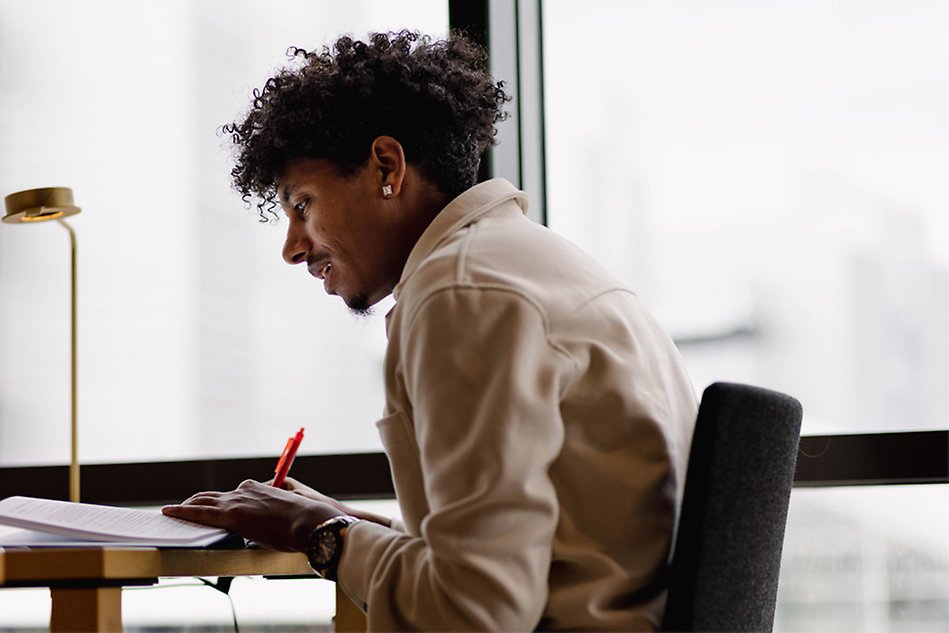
223	584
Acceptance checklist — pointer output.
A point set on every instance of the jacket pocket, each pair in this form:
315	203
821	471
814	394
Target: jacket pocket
397	435
398	441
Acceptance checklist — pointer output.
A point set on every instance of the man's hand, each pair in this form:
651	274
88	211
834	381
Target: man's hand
272	517
295	486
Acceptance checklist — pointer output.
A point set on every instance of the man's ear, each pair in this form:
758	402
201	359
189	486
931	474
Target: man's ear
387	159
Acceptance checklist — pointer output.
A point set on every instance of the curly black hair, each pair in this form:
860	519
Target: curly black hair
435	97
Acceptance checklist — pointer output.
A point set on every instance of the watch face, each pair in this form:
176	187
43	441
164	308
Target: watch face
325	546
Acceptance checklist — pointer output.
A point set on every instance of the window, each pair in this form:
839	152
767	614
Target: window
769	177
195	338
866	558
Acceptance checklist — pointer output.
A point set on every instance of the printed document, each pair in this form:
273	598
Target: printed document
47	522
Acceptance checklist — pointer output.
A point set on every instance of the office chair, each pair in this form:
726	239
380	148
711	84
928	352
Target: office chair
727	554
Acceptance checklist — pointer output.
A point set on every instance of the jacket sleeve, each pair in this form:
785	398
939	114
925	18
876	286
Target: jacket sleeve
484	382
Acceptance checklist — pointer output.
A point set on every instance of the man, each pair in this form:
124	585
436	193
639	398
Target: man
537	419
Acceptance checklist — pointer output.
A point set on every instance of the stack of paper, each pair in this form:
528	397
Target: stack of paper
64	524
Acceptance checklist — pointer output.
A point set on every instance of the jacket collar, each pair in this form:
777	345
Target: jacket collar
464	210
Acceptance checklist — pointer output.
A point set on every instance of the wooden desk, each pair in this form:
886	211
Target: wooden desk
86	583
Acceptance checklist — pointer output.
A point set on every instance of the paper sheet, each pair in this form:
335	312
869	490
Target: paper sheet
102	524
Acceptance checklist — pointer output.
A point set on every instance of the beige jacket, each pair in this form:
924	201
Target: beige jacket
538	422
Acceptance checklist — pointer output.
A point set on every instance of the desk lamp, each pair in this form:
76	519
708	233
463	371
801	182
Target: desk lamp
40	205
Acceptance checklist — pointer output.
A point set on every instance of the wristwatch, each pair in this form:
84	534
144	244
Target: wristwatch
324	546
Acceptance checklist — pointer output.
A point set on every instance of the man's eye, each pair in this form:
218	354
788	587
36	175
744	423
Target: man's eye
300	207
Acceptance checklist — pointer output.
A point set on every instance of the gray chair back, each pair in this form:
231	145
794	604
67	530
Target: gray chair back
727	554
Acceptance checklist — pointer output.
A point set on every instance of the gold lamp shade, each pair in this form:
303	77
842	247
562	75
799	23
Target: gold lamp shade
39	205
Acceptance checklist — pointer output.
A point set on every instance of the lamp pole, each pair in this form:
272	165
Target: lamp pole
73	378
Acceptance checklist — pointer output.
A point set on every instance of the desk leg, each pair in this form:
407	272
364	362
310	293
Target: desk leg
349	617
94	609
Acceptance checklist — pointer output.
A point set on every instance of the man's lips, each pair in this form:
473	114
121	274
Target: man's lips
320	268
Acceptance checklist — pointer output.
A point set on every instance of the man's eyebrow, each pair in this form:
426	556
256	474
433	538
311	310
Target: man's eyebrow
287	190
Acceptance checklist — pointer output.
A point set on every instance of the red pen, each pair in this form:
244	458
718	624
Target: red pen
286	459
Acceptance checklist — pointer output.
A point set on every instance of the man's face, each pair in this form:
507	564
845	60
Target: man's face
341	229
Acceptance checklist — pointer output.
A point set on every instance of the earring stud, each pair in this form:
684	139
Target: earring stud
386	191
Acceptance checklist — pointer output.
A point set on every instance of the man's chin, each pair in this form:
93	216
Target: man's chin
359	305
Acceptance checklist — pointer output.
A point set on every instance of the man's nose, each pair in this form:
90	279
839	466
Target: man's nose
295	247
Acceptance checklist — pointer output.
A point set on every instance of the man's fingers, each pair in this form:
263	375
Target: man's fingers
209	497
199	507
198	514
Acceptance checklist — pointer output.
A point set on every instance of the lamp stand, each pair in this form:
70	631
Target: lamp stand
41	205
73	420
